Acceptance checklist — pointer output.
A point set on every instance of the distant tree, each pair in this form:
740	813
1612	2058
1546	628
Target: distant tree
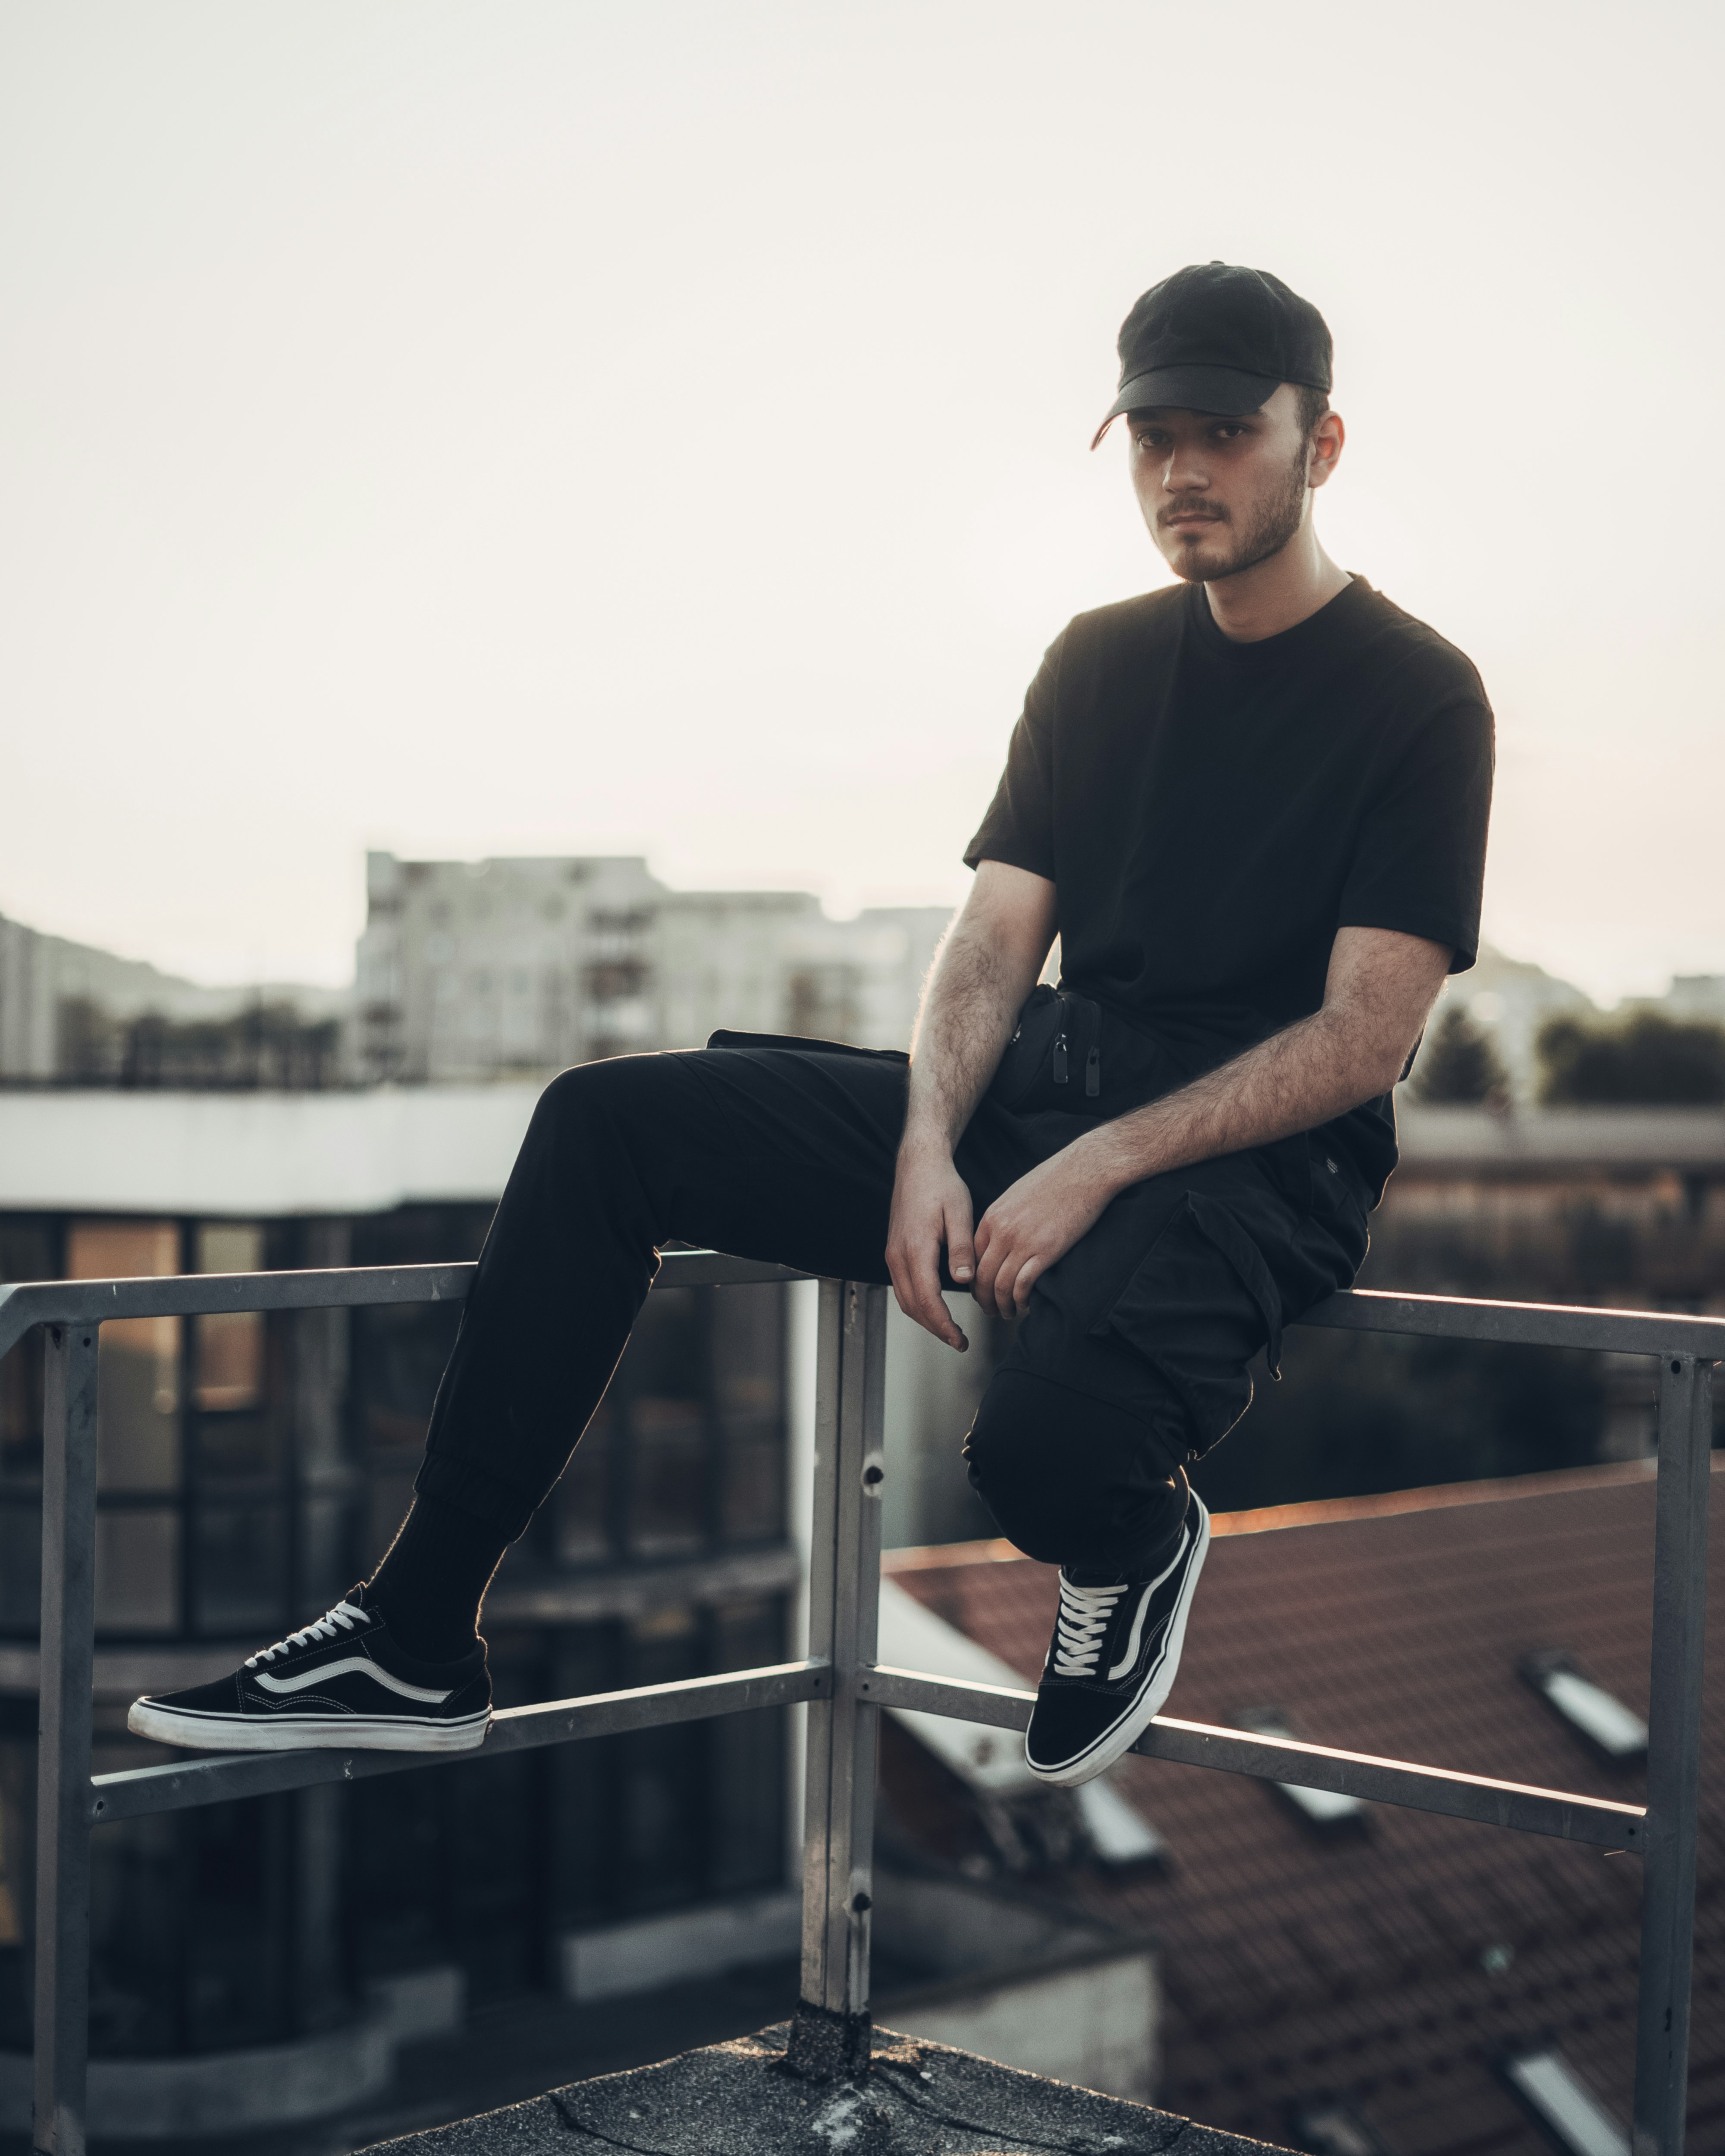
1460	1062
1647	1061
86	1044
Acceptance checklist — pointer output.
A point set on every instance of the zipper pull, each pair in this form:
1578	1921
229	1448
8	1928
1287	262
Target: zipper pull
1059	1059
1093	1073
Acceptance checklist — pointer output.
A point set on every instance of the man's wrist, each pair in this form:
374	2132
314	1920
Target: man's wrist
925	1141
1111	1162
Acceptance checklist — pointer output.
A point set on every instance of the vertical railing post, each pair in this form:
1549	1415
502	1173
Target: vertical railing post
1679	1574
62	2002
830	2036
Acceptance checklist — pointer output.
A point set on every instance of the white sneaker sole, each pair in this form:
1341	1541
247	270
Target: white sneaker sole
1117	1740
303	1733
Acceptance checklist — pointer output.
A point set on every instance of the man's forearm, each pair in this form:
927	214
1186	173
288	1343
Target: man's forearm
966	1022
1316	1070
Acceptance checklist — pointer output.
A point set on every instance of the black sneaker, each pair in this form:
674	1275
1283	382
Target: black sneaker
1111	1663
341	1682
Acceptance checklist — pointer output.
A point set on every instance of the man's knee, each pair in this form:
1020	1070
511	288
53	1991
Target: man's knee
617	1091
1072	1479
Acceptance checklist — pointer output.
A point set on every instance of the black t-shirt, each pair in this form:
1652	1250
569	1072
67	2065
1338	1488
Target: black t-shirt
1211	813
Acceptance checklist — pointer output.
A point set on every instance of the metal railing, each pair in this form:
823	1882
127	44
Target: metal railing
840	1680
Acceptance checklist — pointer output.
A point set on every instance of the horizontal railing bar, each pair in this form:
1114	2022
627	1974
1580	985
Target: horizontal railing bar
1557	1812
217	1778
1524	1324
196	1294
1357	1309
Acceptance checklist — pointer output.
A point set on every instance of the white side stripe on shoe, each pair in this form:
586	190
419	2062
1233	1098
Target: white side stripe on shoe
360	1663
1131	1655
1132	1638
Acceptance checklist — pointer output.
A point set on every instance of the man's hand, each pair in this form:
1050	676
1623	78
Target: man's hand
986	966
1032	1224
930	1212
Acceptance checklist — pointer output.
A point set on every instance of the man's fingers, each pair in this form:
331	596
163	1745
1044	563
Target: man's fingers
1023	1280
961	1249
920	1296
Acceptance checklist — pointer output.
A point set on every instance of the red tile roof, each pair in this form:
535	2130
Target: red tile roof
1298	1966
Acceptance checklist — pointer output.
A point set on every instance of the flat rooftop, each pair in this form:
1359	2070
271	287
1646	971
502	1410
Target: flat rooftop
736	2099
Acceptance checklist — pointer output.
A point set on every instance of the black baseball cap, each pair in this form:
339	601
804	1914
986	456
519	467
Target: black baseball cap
1216	338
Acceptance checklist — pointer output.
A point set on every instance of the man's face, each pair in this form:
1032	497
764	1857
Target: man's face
1218	494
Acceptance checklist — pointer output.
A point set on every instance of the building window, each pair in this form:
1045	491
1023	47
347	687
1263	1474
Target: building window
226	1502
227	1352
140	1432
685	1456
1564	2105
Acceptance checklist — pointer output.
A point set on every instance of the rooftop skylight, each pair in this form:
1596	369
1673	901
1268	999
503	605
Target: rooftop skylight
991	1762
1331	2129
1563	2101
1596	1714
1322	1807
1119	1833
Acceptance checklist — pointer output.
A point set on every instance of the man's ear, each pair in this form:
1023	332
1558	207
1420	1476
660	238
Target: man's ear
1328	437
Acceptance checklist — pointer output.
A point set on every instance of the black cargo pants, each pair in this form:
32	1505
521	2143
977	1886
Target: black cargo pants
1129	1363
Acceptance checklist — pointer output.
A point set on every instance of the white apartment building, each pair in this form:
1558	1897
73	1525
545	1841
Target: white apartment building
485	969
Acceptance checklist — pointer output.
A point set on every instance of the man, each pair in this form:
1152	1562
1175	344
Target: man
1253	807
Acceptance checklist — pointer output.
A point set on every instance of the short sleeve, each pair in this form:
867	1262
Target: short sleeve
1019	828
1419	866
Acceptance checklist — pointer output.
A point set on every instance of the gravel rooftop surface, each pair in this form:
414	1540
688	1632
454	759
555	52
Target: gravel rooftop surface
734	2099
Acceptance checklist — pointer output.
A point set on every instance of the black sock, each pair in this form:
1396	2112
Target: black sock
434	1578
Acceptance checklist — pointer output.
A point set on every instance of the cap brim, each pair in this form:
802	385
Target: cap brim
1223	390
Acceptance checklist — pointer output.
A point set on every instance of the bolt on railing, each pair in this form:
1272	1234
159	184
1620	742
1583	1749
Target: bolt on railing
839	1680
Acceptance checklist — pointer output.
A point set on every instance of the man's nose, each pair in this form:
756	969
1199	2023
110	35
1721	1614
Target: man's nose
1185	472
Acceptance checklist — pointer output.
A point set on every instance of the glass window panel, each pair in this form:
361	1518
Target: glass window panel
667	1352
21	1412
138	1427
241	1572
398	1867
748	1351
661	1791
230	1445
227	1348
667	1477
230	1246
27	1252
330	1560
137	1571
137	1925
16	1863
751	1486
747	1759
388	1495
583	1783
20	1568
582	1530
399	1355
235	1937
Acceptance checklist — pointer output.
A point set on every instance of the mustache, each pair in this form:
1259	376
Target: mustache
1191	504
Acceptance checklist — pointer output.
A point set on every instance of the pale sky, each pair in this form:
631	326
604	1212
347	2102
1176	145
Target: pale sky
663	429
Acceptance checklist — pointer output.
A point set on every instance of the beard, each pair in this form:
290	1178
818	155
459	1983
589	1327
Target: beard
1205	558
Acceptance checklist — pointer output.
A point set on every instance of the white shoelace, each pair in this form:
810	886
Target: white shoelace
1084	1612
333	1622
